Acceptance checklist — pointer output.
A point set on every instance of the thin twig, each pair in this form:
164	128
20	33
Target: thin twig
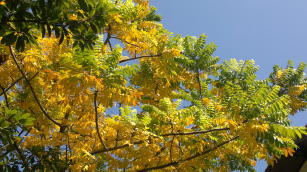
110	45
171	146
164	135
15	82
195	132
189	158
126	42
19	151
96	120
5	96
9	87
116	147
199	84
125	60
31	88
108	36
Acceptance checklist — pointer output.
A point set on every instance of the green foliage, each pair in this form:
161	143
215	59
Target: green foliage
152	16
22	20
13	123
198	55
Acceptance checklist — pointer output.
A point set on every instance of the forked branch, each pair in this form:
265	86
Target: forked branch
195	132
164	135
140	57
189	158
96	121
31	88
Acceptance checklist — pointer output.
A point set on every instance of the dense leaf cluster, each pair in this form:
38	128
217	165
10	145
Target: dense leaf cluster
153	101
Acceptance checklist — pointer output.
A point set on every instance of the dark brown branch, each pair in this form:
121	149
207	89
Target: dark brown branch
96	121
160	151
117	138
63	126
19	151
191	157
110	45
107	39
125	60
116	147
31	88
76	132
15	82
5	96
108	36
9	87
195	132
163	135
125	41
199	84
171	146
28	21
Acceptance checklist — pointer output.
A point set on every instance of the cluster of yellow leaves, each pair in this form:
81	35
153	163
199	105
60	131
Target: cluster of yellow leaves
2	3
294	92
67	89
297	103
139	36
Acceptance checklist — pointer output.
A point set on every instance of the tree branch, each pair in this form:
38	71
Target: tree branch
116	147
5	96
15	82
28	21
125	60
96	120
108	36
195	132
19	151
199	84
163	135
9	87
125	42
31	88
189	158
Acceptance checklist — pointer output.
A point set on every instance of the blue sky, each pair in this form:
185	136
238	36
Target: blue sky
268	31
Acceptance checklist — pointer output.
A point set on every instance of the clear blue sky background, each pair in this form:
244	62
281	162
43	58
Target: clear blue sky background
268	31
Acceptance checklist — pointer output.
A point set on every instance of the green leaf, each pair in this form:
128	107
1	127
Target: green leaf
83	5
9	39
61	38
20	44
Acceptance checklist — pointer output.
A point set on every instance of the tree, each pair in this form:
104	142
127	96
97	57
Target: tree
154	101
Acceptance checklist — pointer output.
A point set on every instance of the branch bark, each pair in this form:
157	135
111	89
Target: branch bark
15	82
19	151
9	87
163	135
31	88
189	158
126	60
195	132
5	96
125	41
200	86
116	147
96	121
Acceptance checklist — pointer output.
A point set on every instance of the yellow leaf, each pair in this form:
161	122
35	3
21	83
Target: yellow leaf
87	153
73	17
253	162
279	74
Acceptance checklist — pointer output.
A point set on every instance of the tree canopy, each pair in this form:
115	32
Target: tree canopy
101	85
